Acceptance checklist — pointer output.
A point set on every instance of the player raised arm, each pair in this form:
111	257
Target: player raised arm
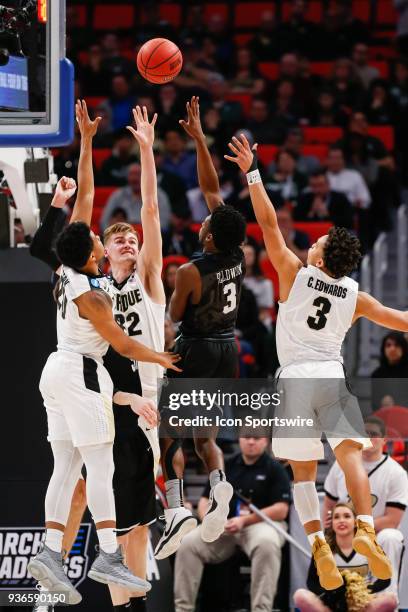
150	261
86	189
207	175
287	264
96	306
372	309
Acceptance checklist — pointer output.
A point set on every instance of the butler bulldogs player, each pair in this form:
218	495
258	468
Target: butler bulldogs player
318	304
205	301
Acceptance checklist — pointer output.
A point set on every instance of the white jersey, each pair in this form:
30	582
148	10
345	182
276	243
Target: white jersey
75	334
313	321
354	562
142	319
388	484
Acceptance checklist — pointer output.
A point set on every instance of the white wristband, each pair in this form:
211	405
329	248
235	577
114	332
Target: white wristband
253	177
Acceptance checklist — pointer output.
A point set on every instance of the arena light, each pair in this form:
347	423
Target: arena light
42	11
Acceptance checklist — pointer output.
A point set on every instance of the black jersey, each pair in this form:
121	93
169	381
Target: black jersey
221	281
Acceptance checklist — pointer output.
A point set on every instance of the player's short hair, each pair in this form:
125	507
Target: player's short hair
228	228
119	228
74	245
376	421
341	254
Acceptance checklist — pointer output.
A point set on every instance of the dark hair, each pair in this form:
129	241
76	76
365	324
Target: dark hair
256	268
376	421
281	152
400	341
318	172
228	228
74	245
341	252
330	535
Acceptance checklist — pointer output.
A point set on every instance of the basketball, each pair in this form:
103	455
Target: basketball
159	60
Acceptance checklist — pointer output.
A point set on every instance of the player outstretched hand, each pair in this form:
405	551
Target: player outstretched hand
64	190
168	361
144	133
145	408
244	153
87	127
193	124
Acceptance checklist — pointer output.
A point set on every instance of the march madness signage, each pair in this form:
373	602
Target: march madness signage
19	544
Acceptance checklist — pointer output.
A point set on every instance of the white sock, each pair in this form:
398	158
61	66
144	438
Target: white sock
107	540
311	537
174	493
306	501
53	539
366	518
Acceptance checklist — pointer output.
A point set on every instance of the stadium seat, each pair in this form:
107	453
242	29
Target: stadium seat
322	135
361	9
101	195
113	16
99	156
314	11
382	67
242	40
216	8
80	11
243	98
395	417
319	151
83	58
385	14
269	70
385	133
267	153
248	14
382	52
171	13
313	229
94	101
323	69
174	259
254	230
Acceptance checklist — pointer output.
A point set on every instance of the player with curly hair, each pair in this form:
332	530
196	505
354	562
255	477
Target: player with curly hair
318	304
205	301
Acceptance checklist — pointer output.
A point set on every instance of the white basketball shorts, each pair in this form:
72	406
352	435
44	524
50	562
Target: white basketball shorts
77	393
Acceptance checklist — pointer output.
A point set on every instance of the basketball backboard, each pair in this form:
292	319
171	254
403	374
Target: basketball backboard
36	79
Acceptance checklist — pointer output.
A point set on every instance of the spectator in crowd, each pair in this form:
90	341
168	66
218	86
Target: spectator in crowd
347	181
154	25
119	215
389	494
169	106
264	128
361	67
115	169
305	164
177	160
130	200
149	102
250	328
341	31
246	358
393	365
214	129
230	111
402	26
93	76
295	240
320	203
217	28
120	102
380	107
346	85
169	279
399	95
245	76
265	44
239	199
172	185
289	66
104	137
285	106
180	239
113	61
342	527
66	162
260	286
327	111
264	481
286	180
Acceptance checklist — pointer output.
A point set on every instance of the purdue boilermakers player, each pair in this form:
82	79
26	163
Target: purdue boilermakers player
205	300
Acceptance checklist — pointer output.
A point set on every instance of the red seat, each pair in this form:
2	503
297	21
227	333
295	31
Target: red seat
382	67
314	229
361	9
319	151
314	11
101	195
171	13
113	16
385	133
248	14
80	11
241	40
269	70
267	153
395	417
323	69
83	57
216	8
243	98
94	101
322	135
99	156
385	13
255	231
382	52
174	259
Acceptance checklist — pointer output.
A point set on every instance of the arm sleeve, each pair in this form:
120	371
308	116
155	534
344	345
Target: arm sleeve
41	245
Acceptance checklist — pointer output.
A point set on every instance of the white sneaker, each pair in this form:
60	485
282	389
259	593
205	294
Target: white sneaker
213	524
179	521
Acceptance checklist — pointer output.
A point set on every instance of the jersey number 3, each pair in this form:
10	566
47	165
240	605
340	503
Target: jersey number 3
323	306
230	291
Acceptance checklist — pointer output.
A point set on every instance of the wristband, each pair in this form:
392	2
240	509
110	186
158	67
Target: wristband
254	177
254	165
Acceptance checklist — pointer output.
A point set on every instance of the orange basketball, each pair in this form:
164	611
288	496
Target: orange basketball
159	60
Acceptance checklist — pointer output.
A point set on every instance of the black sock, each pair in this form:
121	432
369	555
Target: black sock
138	604
123	607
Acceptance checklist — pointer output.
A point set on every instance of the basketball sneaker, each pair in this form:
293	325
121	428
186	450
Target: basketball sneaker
329	575
214	521
365	543
179	521
109	568
48	568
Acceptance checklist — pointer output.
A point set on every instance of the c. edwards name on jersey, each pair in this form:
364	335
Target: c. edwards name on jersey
319	285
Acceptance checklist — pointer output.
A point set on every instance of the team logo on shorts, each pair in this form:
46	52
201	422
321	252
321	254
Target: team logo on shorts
19	544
